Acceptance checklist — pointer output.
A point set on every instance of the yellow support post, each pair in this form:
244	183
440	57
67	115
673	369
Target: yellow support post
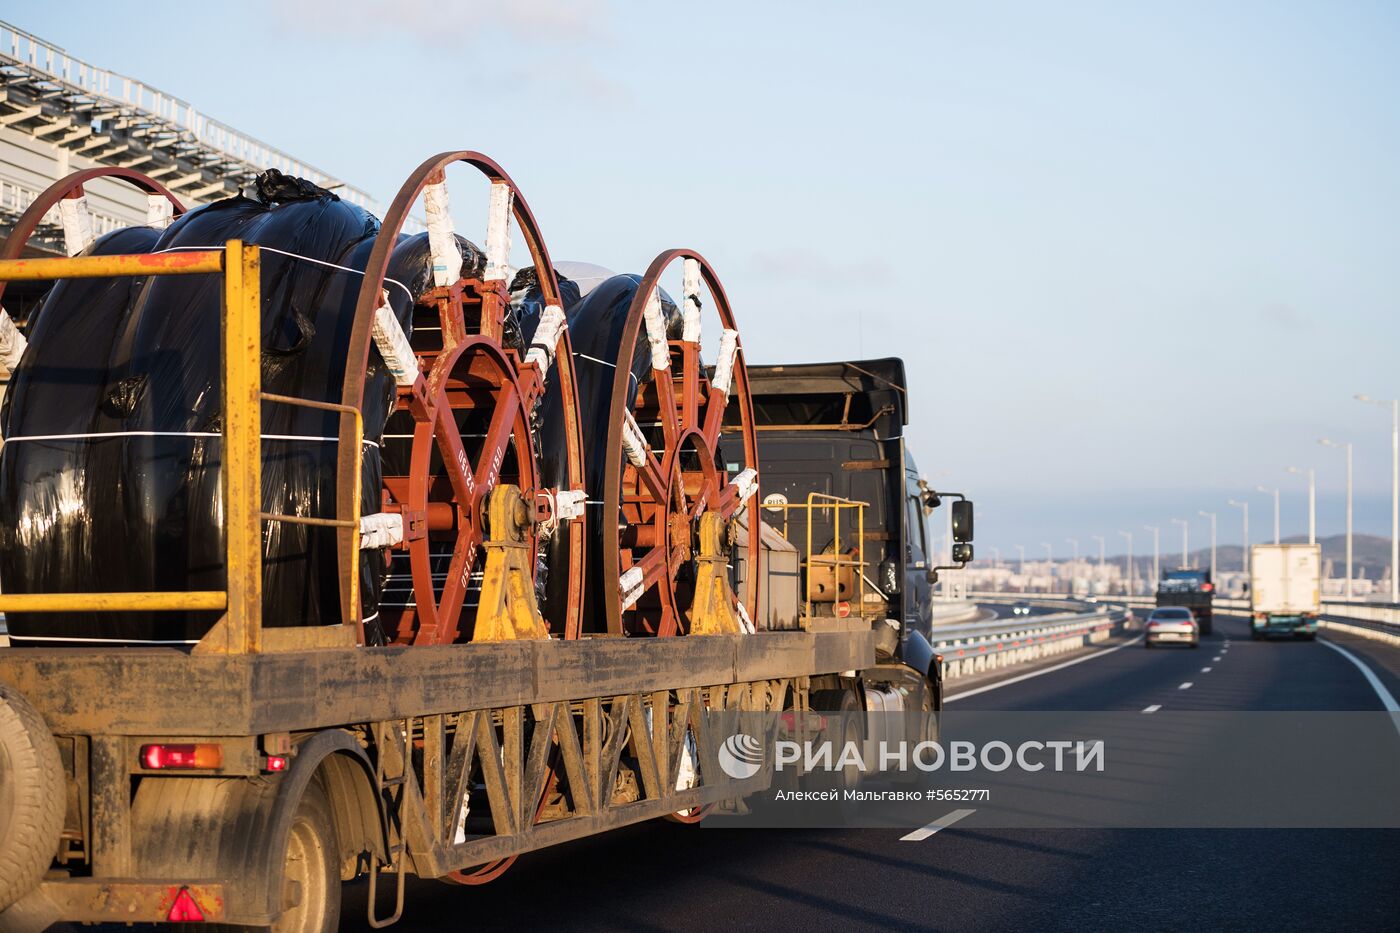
507	610
712	609
242	455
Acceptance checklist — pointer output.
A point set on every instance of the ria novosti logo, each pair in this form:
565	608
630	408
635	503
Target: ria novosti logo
741	756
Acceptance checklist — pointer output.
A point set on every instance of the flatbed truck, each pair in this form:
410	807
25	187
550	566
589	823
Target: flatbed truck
243	780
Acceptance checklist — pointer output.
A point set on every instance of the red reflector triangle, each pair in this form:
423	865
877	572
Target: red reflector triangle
184	908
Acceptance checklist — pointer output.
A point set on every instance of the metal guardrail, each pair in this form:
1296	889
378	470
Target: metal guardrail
984	646
1376	621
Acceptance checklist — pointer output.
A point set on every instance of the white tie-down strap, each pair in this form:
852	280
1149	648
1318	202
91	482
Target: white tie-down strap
12	344
570	504
564	505
745	484
634	443
691	290
724	365
498	233
393	344
442	241
382	529
546	341
631	585
77	224
159	211
656	331
745	623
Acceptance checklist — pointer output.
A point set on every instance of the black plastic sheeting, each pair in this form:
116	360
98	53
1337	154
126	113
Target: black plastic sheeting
110	480
127	373
595	329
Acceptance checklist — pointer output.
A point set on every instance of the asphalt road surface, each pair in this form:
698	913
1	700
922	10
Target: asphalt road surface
660	876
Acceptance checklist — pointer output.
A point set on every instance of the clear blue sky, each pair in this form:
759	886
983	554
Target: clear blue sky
1138	257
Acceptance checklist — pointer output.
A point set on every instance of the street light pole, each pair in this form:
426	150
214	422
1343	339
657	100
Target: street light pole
1312	500
1185	550
1394	491
1274	493
1129	588
1244	507
1156	553
1326	443
1211	516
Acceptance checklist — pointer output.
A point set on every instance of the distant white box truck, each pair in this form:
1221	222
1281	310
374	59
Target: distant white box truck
1285	590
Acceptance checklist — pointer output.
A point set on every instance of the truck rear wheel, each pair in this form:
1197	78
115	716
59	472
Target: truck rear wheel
310	873
32	797
844	703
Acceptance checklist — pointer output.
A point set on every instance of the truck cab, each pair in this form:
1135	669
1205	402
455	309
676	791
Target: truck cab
1192	589
835	431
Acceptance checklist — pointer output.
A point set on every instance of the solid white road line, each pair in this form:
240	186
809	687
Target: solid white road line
1046	670
943	822
1386	699
1153	708
1185	686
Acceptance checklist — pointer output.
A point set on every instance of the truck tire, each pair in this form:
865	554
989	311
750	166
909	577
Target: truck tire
32	797
312	864
844	702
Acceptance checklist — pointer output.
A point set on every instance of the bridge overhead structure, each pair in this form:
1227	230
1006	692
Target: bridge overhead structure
59	114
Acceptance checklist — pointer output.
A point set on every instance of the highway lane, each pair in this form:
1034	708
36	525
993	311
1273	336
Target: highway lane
664	877
1250	675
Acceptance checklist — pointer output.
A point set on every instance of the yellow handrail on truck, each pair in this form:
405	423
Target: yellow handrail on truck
240	628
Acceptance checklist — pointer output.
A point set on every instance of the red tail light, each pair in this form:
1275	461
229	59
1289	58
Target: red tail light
185	910
200	757
1207	587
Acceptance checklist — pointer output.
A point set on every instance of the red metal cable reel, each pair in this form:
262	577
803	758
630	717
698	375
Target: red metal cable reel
470	397
661	496
78	228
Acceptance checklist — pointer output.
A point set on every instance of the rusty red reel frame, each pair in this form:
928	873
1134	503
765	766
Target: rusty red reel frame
72	188
469	378
661	495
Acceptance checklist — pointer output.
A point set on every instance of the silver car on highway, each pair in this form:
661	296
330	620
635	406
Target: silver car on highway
1172	624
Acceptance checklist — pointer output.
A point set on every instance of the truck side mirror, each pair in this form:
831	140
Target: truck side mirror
962	525
962	553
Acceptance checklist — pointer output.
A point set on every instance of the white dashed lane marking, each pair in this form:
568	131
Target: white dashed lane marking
1153	708
1185	686
1205	670
943	822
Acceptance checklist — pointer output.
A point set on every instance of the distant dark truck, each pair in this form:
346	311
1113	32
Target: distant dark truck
1192	589
835	431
